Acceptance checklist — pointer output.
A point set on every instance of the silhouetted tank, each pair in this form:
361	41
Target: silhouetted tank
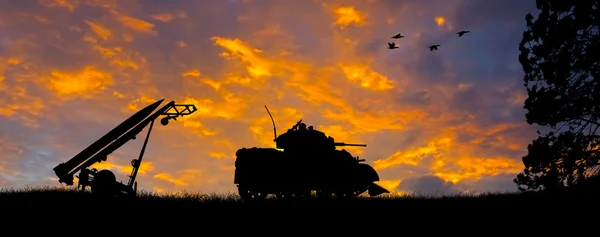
305	160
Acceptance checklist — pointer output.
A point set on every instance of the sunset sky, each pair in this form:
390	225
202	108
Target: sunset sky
448	120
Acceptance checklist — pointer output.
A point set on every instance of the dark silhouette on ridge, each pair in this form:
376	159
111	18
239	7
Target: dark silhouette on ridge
310	161
104	182
461	33
40	198
434	47
392	45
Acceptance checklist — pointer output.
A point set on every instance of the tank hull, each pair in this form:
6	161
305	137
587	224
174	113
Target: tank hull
263	171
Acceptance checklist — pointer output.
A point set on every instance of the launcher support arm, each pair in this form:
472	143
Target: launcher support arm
177	110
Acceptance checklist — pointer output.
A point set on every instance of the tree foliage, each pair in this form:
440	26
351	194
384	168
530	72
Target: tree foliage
560	56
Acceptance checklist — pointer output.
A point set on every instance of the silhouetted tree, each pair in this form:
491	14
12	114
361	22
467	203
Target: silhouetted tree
560	57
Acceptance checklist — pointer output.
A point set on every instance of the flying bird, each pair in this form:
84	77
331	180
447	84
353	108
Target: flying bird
434	47
461	33
398	36
392	45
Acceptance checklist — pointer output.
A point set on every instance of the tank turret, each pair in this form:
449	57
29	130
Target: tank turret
300	137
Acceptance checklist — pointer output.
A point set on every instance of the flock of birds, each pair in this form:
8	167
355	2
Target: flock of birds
392	45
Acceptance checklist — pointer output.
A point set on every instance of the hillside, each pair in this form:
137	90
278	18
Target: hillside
49	197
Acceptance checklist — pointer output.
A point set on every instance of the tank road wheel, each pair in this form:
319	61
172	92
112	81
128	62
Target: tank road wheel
104	183
247	194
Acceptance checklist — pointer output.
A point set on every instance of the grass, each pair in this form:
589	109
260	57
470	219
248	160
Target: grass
46	197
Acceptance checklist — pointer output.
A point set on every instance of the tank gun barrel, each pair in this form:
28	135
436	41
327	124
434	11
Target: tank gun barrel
348	144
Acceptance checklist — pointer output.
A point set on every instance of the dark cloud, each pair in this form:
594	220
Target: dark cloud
375	44
427	185
433	185
419	98
475	14
405	7
499	183
402	172
483	105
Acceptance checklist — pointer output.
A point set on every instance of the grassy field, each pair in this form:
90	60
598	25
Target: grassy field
49	197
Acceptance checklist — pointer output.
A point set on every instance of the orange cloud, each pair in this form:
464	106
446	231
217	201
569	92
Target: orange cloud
193	73
347	15
257	66
367	79
181	178
165	17
99	30
446	153
440	21
84	83
286	56
136	24
145	167
389	184
70	5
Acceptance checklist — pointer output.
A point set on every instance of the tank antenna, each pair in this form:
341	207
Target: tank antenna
273	121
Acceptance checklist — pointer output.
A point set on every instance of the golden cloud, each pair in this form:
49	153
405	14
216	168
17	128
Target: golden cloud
99	30
181	178
165	17
347	15
257	66
229	67
145	167
440	21
367	79
70	5
84	83
447	153
389	184
136	24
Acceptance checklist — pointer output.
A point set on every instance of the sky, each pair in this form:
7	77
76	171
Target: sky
443	121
